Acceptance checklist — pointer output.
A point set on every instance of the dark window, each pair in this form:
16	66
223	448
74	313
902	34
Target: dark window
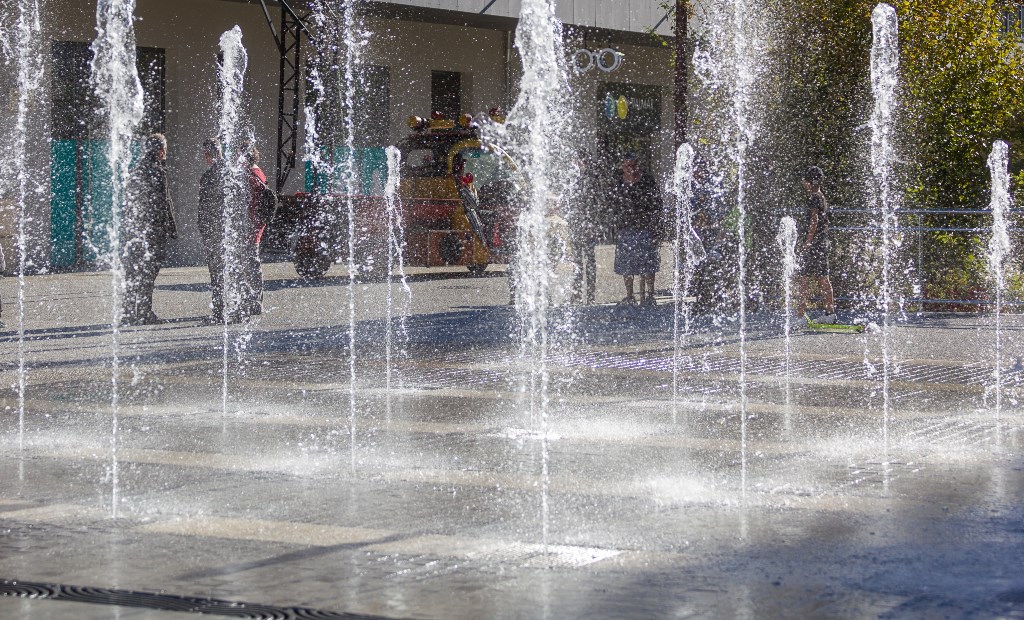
1012	23
372	118
74	113
446	93
73	102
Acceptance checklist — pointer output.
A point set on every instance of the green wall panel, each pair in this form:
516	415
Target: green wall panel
63	156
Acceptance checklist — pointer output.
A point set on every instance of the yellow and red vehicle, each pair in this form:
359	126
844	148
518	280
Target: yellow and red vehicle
457	201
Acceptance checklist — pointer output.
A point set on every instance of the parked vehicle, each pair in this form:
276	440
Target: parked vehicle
457	201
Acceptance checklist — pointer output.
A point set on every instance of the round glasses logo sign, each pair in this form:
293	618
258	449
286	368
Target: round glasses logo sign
606	60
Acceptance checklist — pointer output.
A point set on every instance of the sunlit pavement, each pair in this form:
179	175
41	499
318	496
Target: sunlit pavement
244	471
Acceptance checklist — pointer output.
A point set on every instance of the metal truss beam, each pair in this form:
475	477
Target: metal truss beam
289	96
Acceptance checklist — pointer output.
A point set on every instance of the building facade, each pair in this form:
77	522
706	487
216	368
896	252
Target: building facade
420	55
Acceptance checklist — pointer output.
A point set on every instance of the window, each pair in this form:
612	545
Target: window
446	93
485	167
74	113
371	119
1012	22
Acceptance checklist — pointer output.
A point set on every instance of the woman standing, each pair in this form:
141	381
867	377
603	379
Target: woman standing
638	218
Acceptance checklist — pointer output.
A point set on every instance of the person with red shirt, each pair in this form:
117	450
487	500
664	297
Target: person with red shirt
252	270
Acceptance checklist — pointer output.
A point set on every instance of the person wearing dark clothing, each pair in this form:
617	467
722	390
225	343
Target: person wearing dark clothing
813	250
586	224
714	276
147	226
3	268
210	217
252	270
638	216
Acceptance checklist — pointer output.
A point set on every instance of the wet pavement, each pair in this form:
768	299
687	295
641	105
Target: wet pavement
439	484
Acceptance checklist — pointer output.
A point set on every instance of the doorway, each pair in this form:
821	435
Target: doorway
80	184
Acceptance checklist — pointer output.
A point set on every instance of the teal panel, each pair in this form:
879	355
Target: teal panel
63	157
99	203
342	165
325	182
374	170
369	171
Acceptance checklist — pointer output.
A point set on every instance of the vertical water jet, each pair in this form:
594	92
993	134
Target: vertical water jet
115	80
744	78
786	240
884	79
536	133
233	136
999	251
685	259
396	250
23	47
353	44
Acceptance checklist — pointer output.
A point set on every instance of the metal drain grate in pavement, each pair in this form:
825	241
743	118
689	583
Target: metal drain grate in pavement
167	602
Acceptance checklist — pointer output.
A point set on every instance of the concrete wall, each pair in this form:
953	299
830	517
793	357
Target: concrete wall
626	15
411	50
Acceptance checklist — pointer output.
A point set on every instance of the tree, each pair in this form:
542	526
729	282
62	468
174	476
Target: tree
682	70
962	82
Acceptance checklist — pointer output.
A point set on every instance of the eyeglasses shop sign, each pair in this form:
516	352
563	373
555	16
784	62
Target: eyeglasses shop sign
631	110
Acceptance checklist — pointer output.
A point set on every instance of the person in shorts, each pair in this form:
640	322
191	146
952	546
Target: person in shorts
812	249
637	212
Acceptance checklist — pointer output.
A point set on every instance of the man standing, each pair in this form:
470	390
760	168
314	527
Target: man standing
210	216
585	219
813	251
148	224
638	214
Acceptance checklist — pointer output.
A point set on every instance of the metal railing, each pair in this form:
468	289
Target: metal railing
919	215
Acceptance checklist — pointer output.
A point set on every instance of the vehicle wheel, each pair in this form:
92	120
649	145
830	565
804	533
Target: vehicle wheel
450	248
478	269
311	266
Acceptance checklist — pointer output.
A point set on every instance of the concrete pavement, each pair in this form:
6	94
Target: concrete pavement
265	467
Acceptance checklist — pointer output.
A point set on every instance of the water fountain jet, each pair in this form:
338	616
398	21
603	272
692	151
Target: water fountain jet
536	129
115	80
22	46
786	240
884	78
396	249
998	252
685	259
233	135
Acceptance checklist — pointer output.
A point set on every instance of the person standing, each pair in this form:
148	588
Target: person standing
638	217
812	248
585	221
3	268
147	226
210	217
252	270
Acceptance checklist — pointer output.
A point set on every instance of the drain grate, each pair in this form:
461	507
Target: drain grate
167	602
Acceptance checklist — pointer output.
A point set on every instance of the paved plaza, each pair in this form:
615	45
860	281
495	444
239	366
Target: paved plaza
453	479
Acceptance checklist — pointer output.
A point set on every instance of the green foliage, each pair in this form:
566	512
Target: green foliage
962	84
962	87
955	267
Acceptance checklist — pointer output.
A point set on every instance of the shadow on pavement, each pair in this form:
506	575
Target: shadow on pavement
326	281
